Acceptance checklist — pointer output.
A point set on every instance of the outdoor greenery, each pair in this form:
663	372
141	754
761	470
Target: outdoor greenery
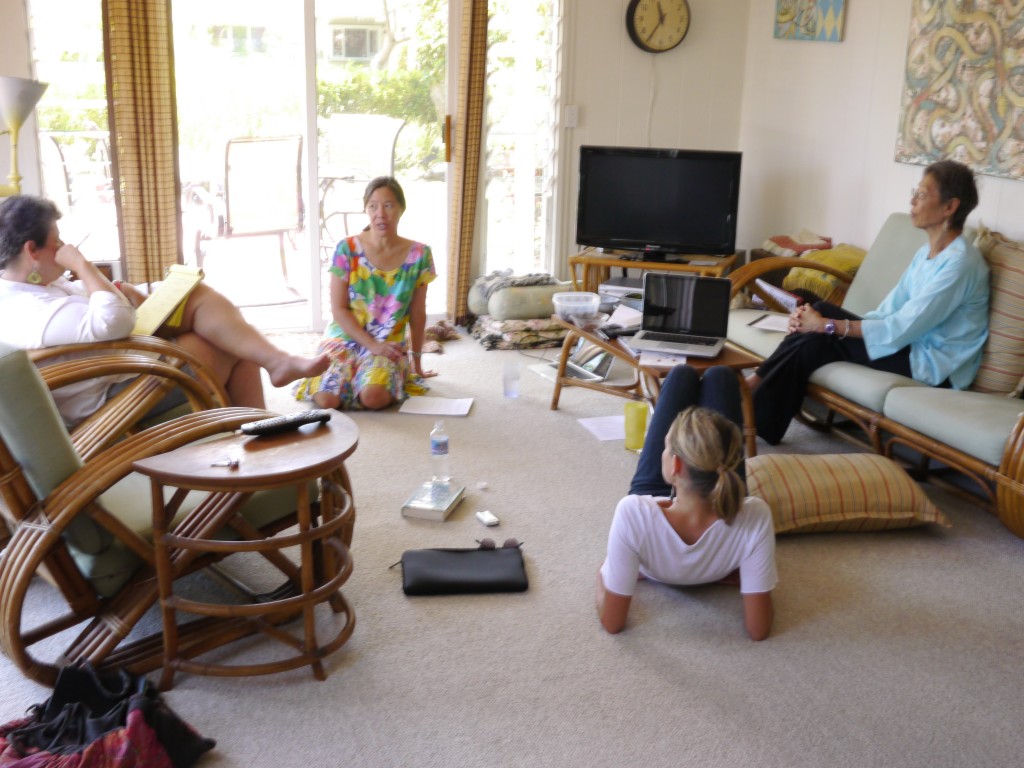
402	93
395	86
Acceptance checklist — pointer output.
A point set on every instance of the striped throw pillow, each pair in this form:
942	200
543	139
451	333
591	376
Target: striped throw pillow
1002	362
839	492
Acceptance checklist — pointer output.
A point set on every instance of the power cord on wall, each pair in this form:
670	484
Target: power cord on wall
654	90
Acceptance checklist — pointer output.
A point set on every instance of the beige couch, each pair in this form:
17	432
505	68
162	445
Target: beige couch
978	432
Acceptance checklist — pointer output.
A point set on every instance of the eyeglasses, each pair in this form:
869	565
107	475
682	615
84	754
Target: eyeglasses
509	544
919	194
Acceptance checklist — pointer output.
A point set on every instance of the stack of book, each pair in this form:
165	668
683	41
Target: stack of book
433	500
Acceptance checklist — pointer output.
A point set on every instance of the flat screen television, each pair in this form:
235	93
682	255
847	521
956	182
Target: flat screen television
658	201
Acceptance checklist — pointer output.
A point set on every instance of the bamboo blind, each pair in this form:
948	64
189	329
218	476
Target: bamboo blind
143	133
468	141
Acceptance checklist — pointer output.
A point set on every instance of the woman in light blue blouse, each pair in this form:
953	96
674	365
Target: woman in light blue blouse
932	326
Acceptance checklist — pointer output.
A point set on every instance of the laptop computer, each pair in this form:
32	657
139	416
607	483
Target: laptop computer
684	314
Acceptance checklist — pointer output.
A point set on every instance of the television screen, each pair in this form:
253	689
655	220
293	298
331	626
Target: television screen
659	201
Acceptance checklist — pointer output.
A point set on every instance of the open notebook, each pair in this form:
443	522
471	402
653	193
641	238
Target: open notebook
167	301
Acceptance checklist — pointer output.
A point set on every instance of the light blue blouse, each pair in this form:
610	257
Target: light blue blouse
940	308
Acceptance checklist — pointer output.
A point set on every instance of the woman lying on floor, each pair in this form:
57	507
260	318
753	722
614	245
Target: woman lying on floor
687	520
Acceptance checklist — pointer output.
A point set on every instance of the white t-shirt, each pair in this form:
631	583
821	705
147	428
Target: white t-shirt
642	541
36	316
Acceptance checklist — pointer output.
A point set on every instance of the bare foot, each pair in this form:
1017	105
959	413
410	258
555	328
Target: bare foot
288	368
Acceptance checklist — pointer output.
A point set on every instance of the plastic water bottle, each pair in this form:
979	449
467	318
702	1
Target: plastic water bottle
440	461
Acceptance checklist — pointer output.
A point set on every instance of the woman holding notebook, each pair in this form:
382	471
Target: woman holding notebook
687	519
39	307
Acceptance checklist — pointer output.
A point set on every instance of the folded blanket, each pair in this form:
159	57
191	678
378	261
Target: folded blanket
517	334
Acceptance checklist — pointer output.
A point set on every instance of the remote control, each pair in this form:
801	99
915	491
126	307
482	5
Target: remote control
277	424
487	518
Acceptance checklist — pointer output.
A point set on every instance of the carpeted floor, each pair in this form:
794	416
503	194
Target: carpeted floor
890	649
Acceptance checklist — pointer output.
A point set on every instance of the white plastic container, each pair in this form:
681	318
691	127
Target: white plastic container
579	303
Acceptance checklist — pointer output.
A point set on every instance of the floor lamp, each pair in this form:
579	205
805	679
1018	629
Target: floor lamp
18	97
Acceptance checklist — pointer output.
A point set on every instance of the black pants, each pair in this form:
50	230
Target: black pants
718	390
785	374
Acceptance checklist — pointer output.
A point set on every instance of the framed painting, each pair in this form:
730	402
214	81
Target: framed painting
963	93
810	19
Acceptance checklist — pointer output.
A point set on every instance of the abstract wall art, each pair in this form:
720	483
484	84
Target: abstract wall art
810	19
963	90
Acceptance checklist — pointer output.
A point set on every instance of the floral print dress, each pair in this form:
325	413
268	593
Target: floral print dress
380	302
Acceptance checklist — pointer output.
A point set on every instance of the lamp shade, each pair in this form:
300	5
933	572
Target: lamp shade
18	97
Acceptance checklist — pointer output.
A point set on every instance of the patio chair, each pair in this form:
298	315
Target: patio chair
263	189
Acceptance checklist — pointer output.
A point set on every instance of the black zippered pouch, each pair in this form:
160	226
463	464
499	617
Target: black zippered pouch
463	571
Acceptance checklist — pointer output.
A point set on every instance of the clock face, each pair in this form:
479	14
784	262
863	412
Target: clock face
658	25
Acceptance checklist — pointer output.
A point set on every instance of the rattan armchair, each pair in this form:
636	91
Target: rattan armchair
82	522
158	365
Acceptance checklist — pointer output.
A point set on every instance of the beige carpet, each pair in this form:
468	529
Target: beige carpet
893	649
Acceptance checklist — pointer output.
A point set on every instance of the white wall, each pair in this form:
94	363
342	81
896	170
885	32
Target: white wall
688	97
819	131
817	122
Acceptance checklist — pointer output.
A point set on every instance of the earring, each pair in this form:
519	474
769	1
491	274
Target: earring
34	277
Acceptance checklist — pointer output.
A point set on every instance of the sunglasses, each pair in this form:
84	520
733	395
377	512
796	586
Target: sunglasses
489	544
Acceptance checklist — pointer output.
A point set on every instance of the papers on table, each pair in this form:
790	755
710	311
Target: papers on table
437	406
771	323
625	316
606	427
660	359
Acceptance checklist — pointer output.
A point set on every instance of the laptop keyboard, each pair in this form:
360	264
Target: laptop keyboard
681	339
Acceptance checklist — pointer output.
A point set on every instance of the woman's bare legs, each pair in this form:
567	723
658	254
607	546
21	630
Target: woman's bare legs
326	400
216	320
240	378
375	397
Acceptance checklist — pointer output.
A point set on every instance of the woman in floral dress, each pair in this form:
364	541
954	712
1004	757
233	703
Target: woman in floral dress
379	307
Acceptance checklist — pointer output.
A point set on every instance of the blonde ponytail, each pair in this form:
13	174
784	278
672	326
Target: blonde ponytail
711	447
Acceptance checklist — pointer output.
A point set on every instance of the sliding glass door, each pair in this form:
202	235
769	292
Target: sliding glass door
362	85
381	72
72	121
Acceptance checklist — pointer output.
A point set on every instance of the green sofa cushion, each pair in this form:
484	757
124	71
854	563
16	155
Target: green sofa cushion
974	423
860	384
888	257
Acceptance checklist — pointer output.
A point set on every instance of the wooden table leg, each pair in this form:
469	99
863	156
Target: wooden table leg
568	344
165	580
308	579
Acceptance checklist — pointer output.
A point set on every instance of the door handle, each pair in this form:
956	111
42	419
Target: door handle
446	137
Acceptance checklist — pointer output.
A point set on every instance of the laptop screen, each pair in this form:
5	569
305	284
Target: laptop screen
675	303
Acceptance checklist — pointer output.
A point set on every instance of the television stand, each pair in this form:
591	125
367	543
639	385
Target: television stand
589	268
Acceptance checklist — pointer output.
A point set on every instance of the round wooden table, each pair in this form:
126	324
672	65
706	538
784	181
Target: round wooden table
232	469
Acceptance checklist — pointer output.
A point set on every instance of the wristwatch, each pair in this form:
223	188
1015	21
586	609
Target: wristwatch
830	327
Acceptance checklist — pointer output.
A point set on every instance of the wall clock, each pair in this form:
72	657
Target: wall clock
657	25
